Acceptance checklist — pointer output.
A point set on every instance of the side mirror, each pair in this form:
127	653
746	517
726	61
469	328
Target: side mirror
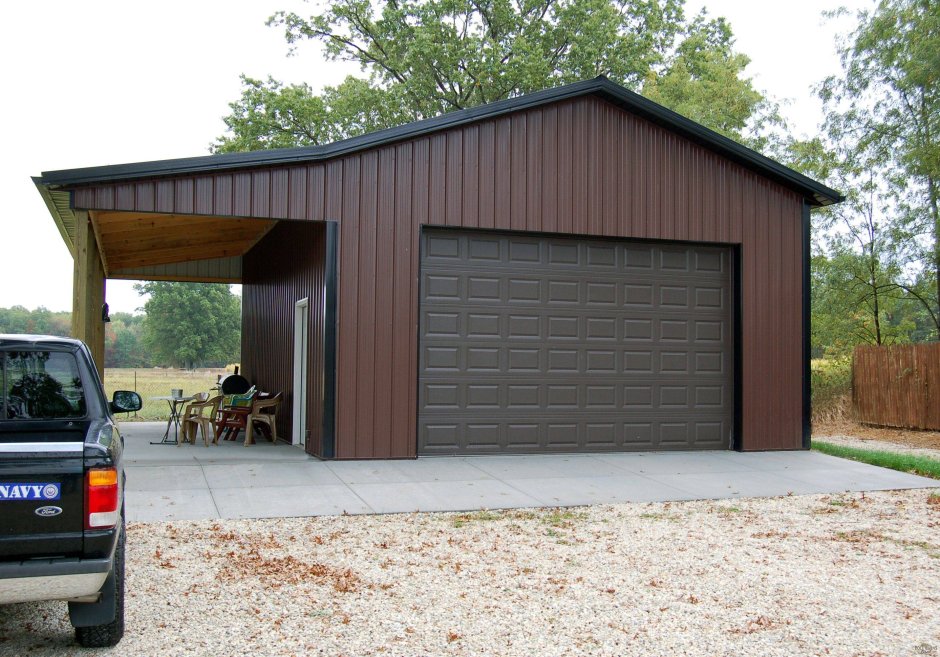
126	401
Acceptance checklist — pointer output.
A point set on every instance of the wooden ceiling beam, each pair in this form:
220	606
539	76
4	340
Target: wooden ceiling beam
125	245
181	254
178	279
169	222
102	251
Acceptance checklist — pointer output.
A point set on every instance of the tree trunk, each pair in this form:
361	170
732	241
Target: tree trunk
873	281
877	318
933	193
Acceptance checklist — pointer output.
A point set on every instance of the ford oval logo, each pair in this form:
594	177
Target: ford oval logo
46	511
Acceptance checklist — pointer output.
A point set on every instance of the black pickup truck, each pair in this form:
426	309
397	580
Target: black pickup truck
62	484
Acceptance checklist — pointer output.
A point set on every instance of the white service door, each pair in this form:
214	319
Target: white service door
301	318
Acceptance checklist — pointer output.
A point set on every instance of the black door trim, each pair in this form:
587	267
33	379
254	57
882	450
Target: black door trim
328	443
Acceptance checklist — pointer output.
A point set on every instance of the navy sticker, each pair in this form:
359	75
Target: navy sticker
30	491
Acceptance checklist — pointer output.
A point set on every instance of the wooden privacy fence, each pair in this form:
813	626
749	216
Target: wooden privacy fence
897	386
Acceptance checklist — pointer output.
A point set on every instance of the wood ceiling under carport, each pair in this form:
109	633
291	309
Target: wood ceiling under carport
131	240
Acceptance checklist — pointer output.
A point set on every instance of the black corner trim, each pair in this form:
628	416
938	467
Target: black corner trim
738	424
807	331
328	444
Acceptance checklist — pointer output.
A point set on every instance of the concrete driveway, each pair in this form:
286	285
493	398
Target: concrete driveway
190	482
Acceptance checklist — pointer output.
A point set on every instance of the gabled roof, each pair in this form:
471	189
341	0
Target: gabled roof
815	192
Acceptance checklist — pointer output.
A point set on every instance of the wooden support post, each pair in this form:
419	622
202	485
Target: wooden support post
88	287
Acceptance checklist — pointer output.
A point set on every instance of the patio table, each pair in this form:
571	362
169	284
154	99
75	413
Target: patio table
175	404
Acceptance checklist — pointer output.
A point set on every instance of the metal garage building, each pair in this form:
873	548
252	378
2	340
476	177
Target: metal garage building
578	269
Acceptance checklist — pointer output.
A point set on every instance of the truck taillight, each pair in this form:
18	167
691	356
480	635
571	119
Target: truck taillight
102	498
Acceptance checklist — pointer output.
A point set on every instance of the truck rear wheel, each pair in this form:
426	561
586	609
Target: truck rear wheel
108	634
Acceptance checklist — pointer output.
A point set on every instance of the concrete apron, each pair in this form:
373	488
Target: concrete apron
230	480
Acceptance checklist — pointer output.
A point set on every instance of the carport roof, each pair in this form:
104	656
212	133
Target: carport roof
815	192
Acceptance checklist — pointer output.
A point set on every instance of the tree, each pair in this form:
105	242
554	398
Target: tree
191	324
861	287
123	341
703	82
426	57
888	99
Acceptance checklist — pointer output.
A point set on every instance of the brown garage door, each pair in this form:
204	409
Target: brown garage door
545	344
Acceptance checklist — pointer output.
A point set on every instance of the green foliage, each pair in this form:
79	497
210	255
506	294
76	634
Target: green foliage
422	58
123	342
831	381
191	324
874	271
887	105
704	82
270	114
919	465
857	300
39	322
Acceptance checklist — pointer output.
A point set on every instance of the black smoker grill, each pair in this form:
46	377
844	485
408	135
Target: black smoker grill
233	384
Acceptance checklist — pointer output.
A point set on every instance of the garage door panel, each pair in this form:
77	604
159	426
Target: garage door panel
582	361
502	399
533	344
441	246
558	435
479	290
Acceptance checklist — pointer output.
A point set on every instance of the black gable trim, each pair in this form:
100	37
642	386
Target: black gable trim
816	193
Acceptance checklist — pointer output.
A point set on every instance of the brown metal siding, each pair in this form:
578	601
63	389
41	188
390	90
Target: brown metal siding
580	167
283	268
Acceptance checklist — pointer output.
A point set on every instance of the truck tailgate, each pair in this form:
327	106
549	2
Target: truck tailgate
42	499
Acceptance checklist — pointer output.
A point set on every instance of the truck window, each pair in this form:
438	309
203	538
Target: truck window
41	385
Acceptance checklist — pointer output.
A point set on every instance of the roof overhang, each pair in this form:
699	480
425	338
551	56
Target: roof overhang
59	204
160	246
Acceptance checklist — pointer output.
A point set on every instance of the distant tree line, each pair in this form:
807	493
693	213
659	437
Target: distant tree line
184	325
39	322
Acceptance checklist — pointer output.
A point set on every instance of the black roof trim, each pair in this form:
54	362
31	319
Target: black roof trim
816	192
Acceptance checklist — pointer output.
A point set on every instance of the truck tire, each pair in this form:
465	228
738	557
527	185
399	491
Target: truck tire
108	634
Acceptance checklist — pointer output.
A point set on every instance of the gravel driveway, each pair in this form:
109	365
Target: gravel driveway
817	575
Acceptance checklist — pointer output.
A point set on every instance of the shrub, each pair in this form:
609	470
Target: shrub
832	387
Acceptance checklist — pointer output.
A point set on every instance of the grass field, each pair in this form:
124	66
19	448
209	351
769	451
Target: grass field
156	382
920	465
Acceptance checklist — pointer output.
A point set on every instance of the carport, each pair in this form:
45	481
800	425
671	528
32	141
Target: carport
184	245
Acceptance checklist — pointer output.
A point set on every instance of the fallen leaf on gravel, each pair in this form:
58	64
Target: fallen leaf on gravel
773	533
757	625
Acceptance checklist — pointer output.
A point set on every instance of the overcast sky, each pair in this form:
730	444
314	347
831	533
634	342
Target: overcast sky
114	81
